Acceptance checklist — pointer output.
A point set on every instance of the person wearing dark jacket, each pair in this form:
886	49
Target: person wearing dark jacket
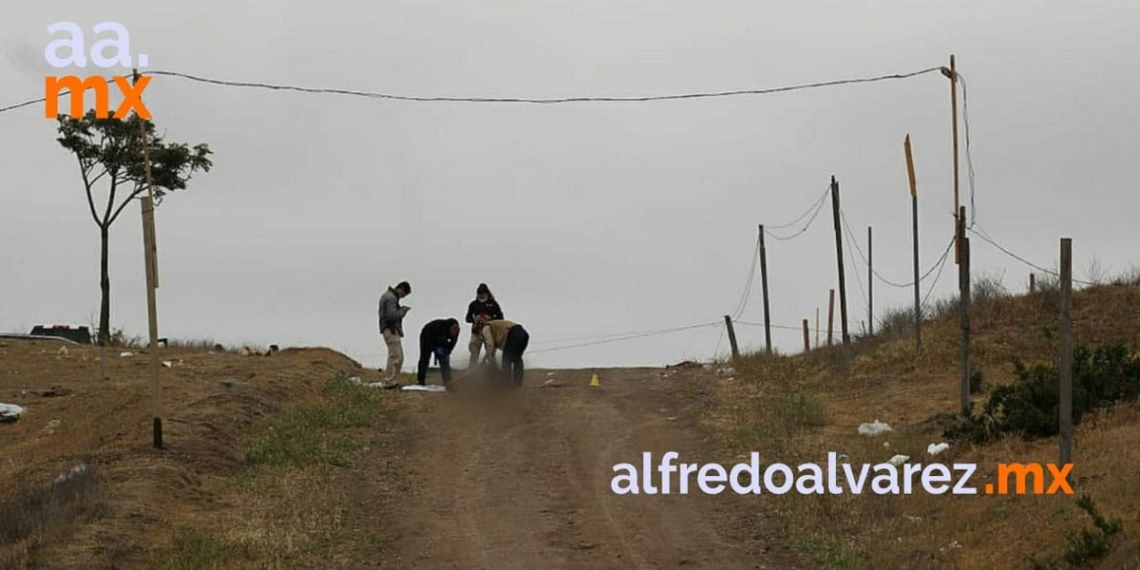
391	316
484	304
437	337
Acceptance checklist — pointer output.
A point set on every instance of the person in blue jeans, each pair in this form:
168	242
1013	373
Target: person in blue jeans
437	338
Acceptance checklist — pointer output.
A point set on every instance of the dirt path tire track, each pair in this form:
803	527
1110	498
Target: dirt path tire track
523	483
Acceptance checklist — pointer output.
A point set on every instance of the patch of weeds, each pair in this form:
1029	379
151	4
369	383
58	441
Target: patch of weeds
977	382
1084	548
31	512
317	433
203	551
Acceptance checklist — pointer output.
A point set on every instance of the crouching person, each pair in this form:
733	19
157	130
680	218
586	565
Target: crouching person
512	339
437	338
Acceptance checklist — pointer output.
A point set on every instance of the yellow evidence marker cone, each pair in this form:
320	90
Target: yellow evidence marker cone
594	382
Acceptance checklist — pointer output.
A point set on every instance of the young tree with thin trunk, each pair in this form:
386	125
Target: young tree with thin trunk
109	151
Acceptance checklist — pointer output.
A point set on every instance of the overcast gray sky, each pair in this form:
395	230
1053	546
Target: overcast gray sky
585	219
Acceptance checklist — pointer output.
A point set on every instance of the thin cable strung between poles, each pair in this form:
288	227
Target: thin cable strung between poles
748	286
818	208
851	238
985	237
814	206
625	338
538	101
969	155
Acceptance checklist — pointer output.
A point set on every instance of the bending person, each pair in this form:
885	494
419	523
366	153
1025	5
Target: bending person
484	304
512	339
437	337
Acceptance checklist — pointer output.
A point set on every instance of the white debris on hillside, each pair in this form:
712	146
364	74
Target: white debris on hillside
899	460
725	371
126	354
873	428
418	388
10	412
936	448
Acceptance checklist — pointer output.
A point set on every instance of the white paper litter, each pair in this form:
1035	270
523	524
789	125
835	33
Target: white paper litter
873	428
936	448
126	354
10	412
418	388
355	381
899	460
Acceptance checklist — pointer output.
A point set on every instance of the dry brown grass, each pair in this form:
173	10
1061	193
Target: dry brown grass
137	507
794	409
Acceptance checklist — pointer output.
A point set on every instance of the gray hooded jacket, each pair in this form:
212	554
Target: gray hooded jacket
391	313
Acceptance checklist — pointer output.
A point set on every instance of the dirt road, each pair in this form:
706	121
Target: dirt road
524	483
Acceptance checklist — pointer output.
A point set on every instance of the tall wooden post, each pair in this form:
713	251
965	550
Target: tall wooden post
870	288
914	223
954	130
1032	283
839	259
964	308
150	248
807	338
830	315
817	327
764	286
732	337
1066	372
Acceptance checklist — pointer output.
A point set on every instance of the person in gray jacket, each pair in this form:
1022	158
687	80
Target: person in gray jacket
391	316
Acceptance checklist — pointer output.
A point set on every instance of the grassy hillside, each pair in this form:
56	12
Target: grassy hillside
798	408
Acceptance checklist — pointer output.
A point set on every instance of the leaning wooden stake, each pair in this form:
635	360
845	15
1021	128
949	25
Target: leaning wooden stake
914	223
732	337
835	213
1066	371
807	337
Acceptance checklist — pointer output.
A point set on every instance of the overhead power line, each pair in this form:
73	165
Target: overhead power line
524	100
626	338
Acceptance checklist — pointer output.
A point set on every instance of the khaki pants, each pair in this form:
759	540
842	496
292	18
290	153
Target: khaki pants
475	346
395	356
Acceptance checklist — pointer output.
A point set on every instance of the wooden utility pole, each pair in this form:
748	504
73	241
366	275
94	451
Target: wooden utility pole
807	338
732	337
1066	371
964	307
764	286
150	248
914	223
830	315
839	259
1032	283
870	288
952	73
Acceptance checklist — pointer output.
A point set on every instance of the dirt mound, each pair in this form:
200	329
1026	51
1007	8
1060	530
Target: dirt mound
125	496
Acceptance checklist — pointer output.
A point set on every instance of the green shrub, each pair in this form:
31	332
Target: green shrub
1030	406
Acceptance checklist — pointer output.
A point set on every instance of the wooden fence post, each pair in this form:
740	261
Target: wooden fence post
964	307
1066	371
830	315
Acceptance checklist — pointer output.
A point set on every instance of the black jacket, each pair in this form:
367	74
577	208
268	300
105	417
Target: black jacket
436	334
491	307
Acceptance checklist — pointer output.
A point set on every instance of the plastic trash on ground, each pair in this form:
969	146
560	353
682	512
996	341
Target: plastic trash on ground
10	412
936	448
418	388
873	428
899	460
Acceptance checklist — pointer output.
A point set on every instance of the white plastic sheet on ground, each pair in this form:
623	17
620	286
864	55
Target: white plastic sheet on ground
873	428
418	388
936	448
10	412
899	460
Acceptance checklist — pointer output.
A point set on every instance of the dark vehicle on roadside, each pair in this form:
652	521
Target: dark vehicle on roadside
74	333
